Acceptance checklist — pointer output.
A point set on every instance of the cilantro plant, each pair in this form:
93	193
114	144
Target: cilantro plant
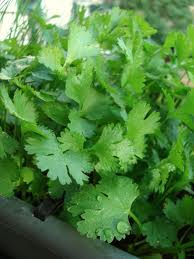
164	15
101	116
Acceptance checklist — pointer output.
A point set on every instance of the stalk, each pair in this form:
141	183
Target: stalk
133	216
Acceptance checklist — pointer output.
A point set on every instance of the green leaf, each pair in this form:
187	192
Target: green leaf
13	68
138	125
145	27
61	166
80	125
81	44
185	111
21	106
176	155
71	141
133	50
133	79
56	111
181	212
160	232
8	145
42	145
113	150
160	176
38	187
9	175
78	87
55	189
27	174
105	208
51	57
125	152
103	148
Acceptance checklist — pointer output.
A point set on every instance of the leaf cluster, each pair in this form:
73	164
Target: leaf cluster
105	117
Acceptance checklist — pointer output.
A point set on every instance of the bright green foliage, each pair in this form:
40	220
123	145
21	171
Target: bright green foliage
14	68
9	174
133	79
138	126
104	209
81	44
20	107
102	117
174	164
164	15
80	125
27	174
71	141
78	87
56	111
160	232
8	145
133	76
50	156
185	112
51	57
176	155
112	148
180	213
160	176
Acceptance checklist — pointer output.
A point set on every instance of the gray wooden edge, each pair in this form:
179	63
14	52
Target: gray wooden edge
23	236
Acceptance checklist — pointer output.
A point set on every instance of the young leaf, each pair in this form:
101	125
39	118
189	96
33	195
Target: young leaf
8	145
71	141
133	79
80	125
51	57
160	176
181	212
185	111
27	174
138	125
81	44
61	166
112	150
20	107
56	111
15	67
9	175
160	232
104	209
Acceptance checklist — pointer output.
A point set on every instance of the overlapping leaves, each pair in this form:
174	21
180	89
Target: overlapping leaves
61	165
100	109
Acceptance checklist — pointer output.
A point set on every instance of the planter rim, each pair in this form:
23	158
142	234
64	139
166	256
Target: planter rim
24	236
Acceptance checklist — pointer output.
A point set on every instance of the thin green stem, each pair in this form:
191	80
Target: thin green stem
138	243
188	245
185	234
132	215
167	192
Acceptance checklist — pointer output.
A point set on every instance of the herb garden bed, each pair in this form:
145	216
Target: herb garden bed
98	119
